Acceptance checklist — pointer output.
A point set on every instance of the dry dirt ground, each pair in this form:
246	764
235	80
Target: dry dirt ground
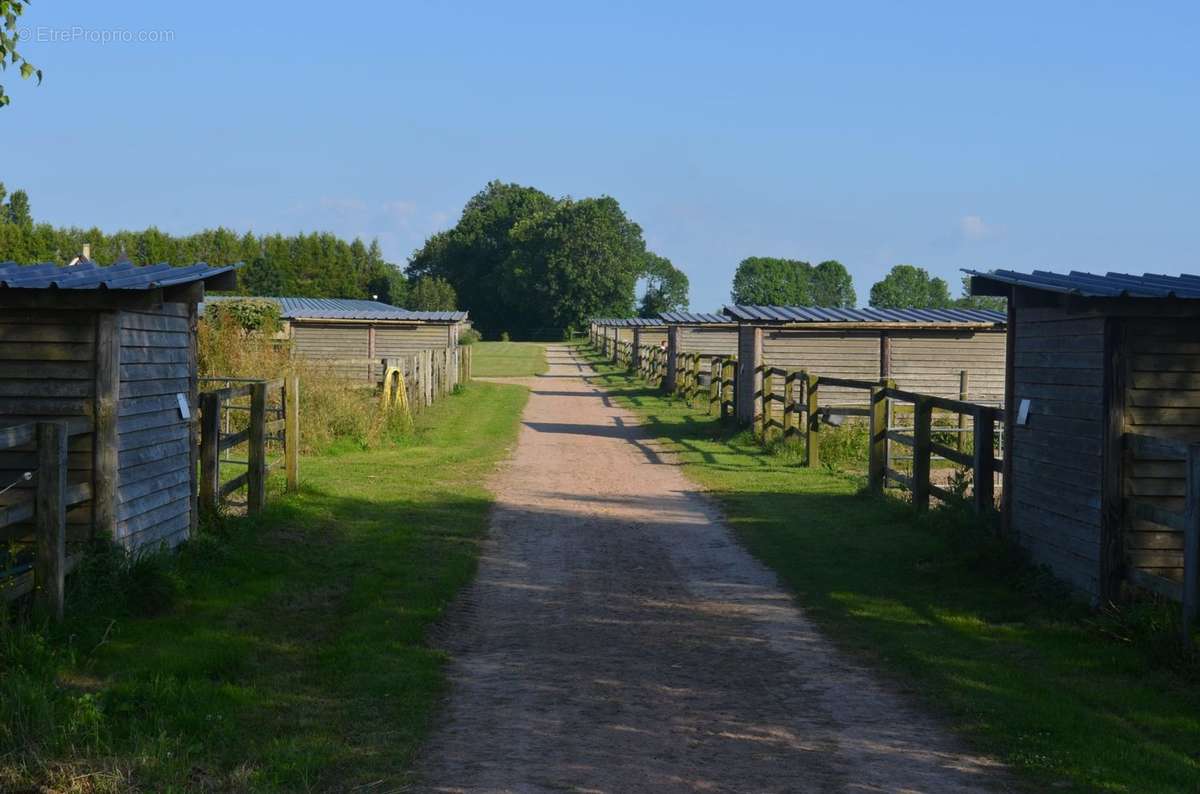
618	639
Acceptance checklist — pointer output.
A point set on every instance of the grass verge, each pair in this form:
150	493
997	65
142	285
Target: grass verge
292	656
508	359
1068	697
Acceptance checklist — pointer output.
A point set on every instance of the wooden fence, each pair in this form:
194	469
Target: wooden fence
256	414
652	363
791	405
427	375
47	509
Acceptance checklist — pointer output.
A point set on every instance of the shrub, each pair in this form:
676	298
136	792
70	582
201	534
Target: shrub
332	408
845	447
504	336
469	336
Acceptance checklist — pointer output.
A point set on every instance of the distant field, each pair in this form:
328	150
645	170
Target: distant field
508	359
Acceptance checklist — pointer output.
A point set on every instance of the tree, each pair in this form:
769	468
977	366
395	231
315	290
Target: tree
666	287
522	261
17	211
909	287
832	286
473	256
431	294
988	302
769	281
10	12
578	260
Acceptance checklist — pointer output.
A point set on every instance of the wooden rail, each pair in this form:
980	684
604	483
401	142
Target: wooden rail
266	422
791	401
1186	521
47	509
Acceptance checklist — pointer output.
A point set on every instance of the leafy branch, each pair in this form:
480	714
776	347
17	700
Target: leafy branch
10	12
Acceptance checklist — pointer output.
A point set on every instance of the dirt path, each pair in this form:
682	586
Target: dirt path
618	640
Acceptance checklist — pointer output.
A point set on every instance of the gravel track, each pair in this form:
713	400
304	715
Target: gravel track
618	639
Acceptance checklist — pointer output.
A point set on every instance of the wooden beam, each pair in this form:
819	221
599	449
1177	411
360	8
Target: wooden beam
922	425
256	499
210	453
984	476
1010	385
1191	546
193	398
51	518
106	439
291	433
877	465
812	442
1111	562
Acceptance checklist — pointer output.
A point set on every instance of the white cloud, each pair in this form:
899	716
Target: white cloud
973	227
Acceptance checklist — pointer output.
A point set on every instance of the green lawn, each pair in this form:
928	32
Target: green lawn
294	658
1067	697
508	359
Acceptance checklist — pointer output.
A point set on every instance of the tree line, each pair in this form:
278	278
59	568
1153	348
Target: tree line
518	259
771	281
314	265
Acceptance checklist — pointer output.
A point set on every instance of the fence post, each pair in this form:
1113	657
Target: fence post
962	418
984	483
210	452
50	509
728	405
812	396
714	383
256	481
789	404
291	430
922	428
1191	545
877	467
768	385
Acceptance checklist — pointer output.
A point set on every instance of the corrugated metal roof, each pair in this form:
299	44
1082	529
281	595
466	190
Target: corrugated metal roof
345	309
629	322
819	314
694	318
1091	285
89	275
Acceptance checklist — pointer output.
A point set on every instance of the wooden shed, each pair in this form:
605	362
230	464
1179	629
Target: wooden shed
699	333
110	351
923	350
354	336
1103	410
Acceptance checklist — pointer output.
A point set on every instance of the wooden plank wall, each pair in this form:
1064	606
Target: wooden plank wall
931	362
1057	457
330	343
1162	398
397	341
47	371
624	334
838	354
153	461
653	336
709	341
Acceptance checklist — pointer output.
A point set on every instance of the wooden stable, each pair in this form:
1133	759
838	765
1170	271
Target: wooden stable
696	338
922	350
107	355
1104	426
354	336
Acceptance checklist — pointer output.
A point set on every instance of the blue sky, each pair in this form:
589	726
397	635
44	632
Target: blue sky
1054	135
